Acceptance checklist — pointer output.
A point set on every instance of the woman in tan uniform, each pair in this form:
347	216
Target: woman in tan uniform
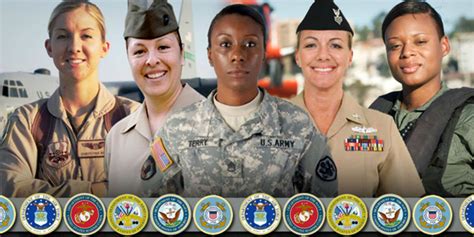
56	145
156	56
369	153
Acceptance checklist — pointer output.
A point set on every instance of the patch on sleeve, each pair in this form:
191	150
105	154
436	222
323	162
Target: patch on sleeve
326	169
161	156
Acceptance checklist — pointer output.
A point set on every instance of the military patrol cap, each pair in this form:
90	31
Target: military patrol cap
149	21
324	15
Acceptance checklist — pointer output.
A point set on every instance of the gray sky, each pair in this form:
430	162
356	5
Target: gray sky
23	27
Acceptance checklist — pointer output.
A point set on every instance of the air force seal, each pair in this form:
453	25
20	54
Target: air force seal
432	215
171	214
466	214
84	214
7	214
127	214
40	214
304	214
260	214
390	214
347	214
213	215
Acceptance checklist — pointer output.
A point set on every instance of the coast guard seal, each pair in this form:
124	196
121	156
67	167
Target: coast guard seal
170	214
7	214
390	214
213	215
84	214
432	215
260	214
40	214
304	214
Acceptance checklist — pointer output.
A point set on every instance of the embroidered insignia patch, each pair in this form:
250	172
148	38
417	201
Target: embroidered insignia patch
170	214
58	154
304	214
390	214
363	143
337	16
213	215
432	215
161	156
347	214
40	214
260	214
7	214
148	168
466	214
84	214
326	169
91	148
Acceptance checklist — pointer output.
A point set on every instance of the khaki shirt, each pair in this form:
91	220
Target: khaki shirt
458	177
71	162
276	151
370	173
128	148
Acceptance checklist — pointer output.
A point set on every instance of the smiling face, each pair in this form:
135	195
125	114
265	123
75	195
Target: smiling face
324	57
76	45
415	50
156	64
236	52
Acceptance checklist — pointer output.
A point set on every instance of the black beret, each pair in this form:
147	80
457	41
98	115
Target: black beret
151	22
324	15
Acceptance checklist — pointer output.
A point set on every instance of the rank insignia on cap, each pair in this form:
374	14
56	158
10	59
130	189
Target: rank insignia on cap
337	16
363	143
161	156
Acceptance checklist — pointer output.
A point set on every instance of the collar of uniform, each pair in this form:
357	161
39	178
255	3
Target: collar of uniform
268	125
398	102
187	97
136	119
105	102
350	111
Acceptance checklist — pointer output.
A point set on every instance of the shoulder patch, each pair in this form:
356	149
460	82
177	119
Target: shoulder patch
161	156
326	169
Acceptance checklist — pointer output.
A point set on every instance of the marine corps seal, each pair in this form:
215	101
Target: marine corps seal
84	214
304	214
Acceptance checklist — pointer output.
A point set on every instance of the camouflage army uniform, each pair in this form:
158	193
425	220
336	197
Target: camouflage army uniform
458	178
276	151
71	163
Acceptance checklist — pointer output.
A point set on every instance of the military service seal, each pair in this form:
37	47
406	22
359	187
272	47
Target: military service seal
432	215
127	214
390	214
347	214
466	214
304	214
213	215
260	214
7	214
40	214
84	214
170	214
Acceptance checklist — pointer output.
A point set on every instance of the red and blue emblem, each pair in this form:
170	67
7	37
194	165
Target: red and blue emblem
304	214
84	214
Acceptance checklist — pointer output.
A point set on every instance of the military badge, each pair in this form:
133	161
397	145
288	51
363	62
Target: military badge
84	214
127	214
359	129
326	169
58	154
260	214
466	214
161	156
213	215
363	143
347	214
7	214
337	16
170	214
390	214
304	214
148	169
91	148
432	215
40	214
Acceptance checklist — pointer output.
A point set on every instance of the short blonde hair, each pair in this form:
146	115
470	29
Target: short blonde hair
71	5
